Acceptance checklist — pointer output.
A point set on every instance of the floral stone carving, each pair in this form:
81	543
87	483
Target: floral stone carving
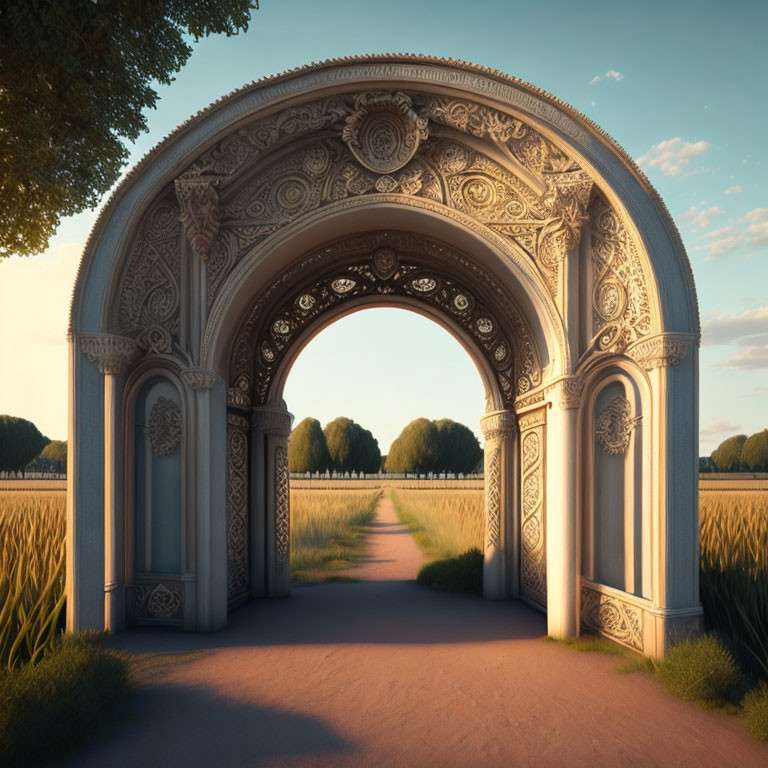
164	427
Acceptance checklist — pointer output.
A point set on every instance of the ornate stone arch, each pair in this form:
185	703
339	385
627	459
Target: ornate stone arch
497	194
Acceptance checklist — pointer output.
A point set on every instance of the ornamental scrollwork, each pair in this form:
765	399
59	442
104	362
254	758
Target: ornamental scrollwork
199	378
614	426
160	601
612	617
533	574
200	214
384	264
498	425
282	510
660	351
493	481
237	507
164	427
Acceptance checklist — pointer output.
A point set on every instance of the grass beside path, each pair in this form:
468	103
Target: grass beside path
327	531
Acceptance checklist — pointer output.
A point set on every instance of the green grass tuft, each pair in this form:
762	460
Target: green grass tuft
55	706
463	573
701	669
754	712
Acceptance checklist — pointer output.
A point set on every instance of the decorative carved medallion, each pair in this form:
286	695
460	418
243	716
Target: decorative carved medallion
610	616
237	507
384	132
282	510
533	562
164	427
200	214
614	426
163	601
110	354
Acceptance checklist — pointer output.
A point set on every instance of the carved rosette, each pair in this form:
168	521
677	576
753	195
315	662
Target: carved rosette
384	132
607	615
614	426
200	215
533	561
237	507
282	510
160	601
660	351
164	427
110	354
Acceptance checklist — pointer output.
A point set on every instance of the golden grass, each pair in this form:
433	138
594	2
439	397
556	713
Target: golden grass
444	523
327	528
32	527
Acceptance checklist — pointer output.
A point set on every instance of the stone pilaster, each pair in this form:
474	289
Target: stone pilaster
273	423
112	355
501	545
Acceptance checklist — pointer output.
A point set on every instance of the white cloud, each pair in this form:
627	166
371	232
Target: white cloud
752	358
734	190
611	74
673	156
702	218
717	428
741	328
756	215
758	233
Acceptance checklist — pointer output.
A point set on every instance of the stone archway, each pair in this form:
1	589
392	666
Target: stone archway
488	205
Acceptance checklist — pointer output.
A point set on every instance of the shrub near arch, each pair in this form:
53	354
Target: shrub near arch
501	198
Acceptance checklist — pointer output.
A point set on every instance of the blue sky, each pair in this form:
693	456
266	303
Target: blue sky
680	85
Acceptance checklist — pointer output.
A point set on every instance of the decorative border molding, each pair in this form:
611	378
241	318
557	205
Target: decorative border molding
533	555
660	351
493	483
282	510
200	378
237	507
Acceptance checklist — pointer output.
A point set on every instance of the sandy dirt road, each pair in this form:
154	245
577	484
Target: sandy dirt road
383	672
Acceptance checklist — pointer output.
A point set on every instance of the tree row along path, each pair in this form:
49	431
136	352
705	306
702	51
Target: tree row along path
384	672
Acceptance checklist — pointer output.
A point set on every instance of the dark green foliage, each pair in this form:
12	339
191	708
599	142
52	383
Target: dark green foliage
20	442
416	449
463	573
458	448
754	452
307	451
706	464
75	79
350	447
754	712
701	669
56	705
54	456
727	455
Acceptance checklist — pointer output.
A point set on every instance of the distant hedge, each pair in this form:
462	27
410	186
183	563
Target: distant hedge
307	450
740	454
20	442
434	446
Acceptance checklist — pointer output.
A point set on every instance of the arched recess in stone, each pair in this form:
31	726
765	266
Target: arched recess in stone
529	190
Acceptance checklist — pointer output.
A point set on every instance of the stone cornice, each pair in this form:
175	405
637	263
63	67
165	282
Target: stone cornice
272	420
200	378
661	351
110	354
497	425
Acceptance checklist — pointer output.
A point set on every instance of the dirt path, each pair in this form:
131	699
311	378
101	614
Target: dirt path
383	672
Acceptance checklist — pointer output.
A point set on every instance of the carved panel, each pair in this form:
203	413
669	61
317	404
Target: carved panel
610	616
620	307
237	507
614	426
164	427
159	601
384	263
149	292
282	510
493	495
533	559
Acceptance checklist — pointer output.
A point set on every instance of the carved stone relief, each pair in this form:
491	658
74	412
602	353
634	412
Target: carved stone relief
614	426
159	601
610	616
384	263
660	351
200	214
493	496
110	354
282	510
164	427
533	561
237	507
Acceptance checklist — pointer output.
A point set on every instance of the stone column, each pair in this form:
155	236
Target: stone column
502	529
274	423
562	532
111	355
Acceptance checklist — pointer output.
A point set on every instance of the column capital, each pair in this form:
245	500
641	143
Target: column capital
200	378
272	420
110	354
566	392
498	424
